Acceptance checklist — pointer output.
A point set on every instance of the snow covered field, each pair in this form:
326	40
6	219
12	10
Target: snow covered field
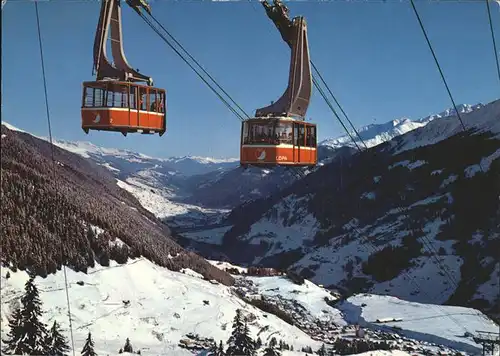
445	325
164	306
158	202
156	308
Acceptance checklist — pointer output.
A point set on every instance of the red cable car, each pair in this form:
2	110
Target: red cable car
115	102
279	135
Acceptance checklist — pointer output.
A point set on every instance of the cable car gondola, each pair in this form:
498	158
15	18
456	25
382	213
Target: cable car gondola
278	134
115	102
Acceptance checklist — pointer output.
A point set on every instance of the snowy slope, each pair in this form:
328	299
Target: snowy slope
164	307
449	323
160	203
156	308
440	324
484	119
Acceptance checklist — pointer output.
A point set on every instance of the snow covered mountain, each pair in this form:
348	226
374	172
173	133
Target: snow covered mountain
198	190
376	134
128	162
427	201
164	312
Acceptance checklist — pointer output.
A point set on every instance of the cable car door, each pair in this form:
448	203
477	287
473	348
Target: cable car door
142	115
296	142
133	118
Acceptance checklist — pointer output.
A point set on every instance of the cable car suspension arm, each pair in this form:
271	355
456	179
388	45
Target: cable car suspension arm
110	19
295	100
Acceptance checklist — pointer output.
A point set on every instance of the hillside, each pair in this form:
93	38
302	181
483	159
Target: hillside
419	201
179	313
75	213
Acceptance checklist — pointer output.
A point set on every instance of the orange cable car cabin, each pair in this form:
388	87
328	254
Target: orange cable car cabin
278	141
279	135
115	101
124	107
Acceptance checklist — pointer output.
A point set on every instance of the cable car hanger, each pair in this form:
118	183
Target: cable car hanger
278	134
114	102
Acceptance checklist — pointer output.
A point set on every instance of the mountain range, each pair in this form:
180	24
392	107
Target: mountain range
209	182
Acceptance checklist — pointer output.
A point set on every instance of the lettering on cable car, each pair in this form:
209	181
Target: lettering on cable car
281	158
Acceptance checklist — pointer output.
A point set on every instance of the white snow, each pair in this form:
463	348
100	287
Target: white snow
483	165
408	164
285	227
223	265
12	127
157	202
448	180
376	134
186	165
484	118
490	288
369	195
368	353
309	295
440	324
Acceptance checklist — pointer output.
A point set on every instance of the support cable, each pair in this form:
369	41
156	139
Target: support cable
53	162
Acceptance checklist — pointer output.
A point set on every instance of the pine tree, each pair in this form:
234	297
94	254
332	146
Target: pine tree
88	348
34	341
240	343
248	343
15	334
221	350
58	345
271	349
128	346
213	350
259	342
216	350
322	351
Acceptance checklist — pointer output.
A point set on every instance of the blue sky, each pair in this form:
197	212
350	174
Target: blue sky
373	56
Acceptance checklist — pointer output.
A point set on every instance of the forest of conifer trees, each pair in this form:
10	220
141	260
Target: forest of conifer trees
77	217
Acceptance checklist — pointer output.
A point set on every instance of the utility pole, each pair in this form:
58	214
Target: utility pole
489	340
